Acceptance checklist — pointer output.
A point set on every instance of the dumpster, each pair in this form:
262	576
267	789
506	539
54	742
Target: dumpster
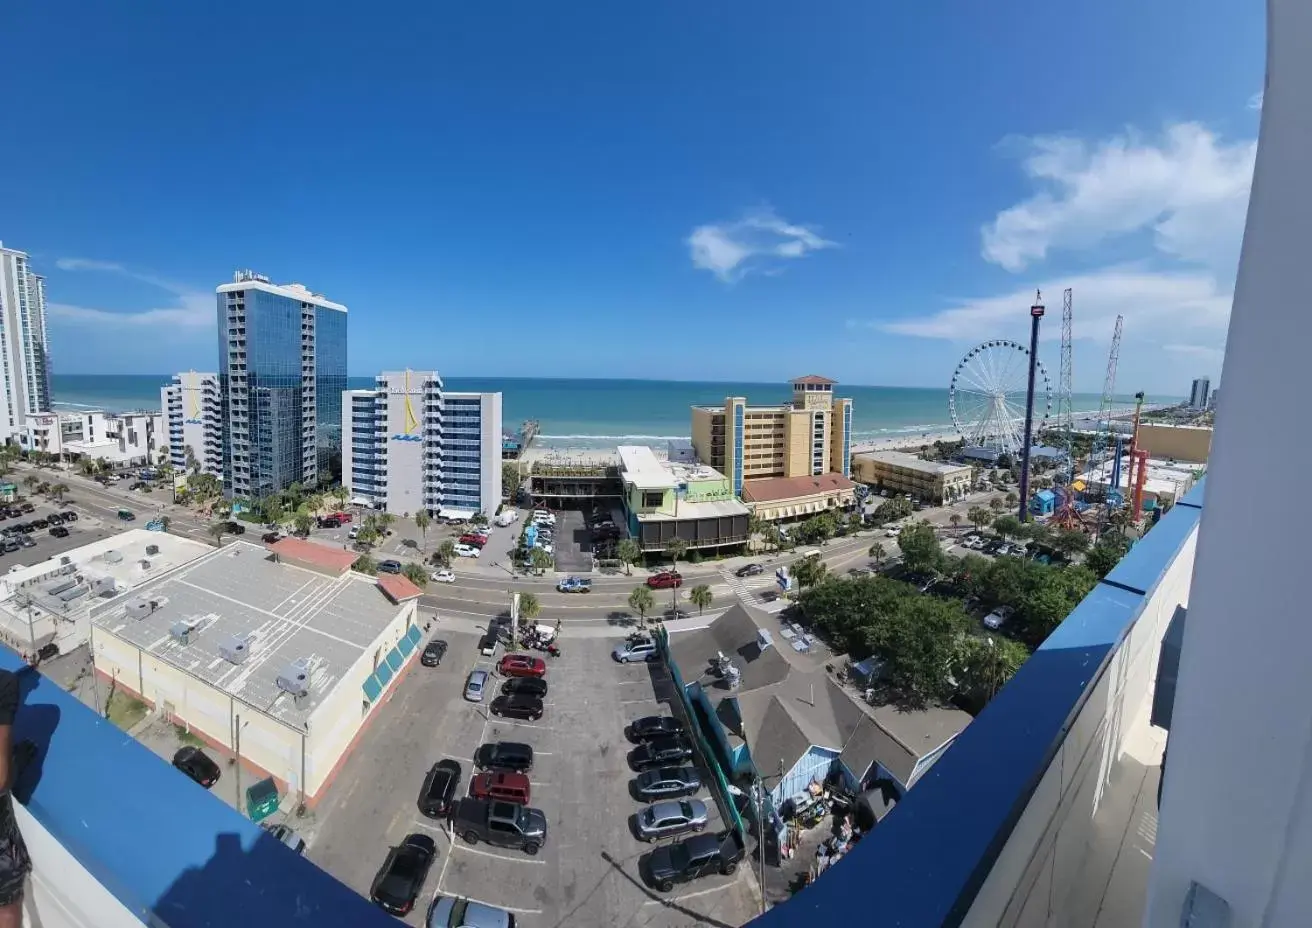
262	800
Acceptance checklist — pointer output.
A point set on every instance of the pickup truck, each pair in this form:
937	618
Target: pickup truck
699	856
504	824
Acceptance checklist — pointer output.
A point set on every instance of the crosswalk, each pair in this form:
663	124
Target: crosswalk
749	590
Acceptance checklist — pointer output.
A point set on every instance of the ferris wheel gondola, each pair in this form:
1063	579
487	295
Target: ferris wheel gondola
988	392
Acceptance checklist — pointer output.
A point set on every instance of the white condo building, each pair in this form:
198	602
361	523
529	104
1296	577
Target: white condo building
410	445
194	414
24	351
115	438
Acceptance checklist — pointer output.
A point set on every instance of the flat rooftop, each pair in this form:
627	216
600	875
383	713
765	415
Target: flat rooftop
911	462
287	613
640	466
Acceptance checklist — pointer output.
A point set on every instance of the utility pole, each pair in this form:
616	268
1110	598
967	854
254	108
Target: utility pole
1036	314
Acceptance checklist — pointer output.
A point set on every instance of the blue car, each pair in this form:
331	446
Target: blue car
574	585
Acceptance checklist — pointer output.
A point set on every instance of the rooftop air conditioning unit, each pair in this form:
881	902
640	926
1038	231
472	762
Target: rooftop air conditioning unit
152	550
143	564
184	632
112	557
764	639
65	560
295	678
733	676
139	608
235	650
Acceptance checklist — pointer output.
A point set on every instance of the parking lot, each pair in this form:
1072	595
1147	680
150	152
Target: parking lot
84	531
587	873
573	543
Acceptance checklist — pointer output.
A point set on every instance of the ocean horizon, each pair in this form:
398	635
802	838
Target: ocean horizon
596	414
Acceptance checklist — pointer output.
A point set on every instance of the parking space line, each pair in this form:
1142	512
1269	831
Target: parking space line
514	860
632	702
539	783
436	829
674	899
501	720
508	908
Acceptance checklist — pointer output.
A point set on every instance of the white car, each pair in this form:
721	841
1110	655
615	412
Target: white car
892	532
998	617
443	576
354	532
546	546
467	551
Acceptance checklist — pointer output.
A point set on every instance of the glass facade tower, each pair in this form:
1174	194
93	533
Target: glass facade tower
282	371
24	350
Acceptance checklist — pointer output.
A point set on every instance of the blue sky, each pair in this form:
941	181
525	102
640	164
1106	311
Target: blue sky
736	191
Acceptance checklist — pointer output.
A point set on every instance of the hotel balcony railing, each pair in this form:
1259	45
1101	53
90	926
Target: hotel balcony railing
1000	830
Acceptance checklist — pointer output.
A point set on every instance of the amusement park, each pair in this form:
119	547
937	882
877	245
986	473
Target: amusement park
1099	468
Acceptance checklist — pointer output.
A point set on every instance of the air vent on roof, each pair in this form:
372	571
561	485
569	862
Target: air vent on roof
65	560
235	650
143	564
295	678
732	675
184	632
112	557
140	608
763	638
152	550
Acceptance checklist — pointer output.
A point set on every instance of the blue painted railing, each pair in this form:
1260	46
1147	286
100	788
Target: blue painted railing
925	863
169	851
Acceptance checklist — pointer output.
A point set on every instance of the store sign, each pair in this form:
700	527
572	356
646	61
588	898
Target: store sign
407	438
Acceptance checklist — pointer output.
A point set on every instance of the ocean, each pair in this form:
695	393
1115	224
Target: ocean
600	414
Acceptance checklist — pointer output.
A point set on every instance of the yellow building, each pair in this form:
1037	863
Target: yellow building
807	438
899	472
1190	443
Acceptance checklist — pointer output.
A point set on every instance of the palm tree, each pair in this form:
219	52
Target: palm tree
955	519
1012	499
808	572
303	523
996	503
58	490
415	574
447	552
529	607
877	553
342	494
364	564
700	596
385	519
218	530
422	521
628	551
676	548
641	601
192	464
540	560
30	482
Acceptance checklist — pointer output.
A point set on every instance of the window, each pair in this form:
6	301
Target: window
652	499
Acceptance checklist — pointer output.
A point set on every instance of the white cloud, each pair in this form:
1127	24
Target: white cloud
732	250
1255	101
1205	352
191	308
1188	188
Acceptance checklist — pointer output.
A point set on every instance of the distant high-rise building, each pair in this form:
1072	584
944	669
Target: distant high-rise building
282	372
411	445
195	422
1198	393
23	347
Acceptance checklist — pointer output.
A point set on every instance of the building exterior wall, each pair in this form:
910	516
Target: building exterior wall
840	459
471	452
24	349
282	372
795	506
707	422
193	416
1191	443
927	485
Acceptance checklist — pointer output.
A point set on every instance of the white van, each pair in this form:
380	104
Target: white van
506	517
808	553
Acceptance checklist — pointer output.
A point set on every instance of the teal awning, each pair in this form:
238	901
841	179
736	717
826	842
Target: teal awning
414	634
372	688
406	646
383	673
394	659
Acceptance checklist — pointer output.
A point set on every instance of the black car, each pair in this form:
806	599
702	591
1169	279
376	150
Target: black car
59	531
27	542
518	707
698	856
402	875
11	545
389	567
439	789
41	523
235	528
749	570
667	783
28	507
505	755
55	518
270	537
660	752
434	651
26	528
70	517
525	686
654	726
196	764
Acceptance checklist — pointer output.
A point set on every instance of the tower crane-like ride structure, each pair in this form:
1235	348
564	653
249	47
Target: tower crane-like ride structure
1065	514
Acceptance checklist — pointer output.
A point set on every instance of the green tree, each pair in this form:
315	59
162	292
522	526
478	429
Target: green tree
367	536
917	643
30	482
364	564
479	518
808	572
1105	555
921	551
385	520
529	607
510	479
1012	499
192	464
167	522
1007	526
996	504
422	521
272	510
982	666
1038	533
217	530
446	552
416	574
675	549
628	551
955	519
877	554
700	596
541	560
1070	542
979	516
642	601
304	523
58	490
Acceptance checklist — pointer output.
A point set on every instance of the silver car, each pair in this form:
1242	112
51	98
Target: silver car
637	651
675	817
475	685
454	912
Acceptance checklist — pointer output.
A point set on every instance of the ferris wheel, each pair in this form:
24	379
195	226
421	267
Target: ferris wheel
987	395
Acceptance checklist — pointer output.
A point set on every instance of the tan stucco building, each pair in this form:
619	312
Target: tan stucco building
1190	443
899	472
809	437
776	498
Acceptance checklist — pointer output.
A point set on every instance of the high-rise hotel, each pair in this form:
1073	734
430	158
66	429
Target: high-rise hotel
194	416
24	351
409	444
282	372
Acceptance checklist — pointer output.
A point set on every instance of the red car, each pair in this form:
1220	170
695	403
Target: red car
666	580
343	517
522	665
500	785
476	540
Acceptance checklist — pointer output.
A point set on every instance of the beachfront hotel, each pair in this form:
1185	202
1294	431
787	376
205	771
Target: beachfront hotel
898	472
410	444
23	346
282	372
766	450
195	422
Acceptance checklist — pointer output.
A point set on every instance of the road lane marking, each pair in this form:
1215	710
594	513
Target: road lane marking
436	829
675	899
525	859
